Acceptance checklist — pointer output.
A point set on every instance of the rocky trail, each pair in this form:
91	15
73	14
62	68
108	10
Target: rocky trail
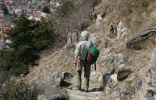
94	92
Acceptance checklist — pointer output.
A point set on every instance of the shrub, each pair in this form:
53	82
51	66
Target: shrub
143	3
18	91
85	24
66	96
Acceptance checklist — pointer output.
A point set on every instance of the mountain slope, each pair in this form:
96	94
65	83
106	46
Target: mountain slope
120	70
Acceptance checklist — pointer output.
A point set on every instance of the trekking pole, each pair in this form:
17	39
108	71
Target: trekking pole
95	65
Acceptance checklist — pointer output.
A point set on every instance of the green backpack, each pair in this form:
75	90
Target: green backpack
92	54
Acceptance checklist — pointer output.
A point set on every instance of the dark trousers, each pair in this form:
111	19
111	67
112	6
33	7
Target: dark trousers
87	67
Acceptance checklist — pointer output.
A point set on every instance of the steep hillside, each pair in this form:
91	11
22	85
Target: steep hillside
124	32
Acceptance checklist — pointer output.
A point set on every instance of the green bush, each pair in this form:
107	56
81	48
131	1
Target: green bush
5	9
18	91
65	93
86	24
143	3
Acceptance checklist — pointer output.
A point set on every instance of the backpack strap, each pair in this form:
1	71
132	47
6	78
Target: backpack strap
91	44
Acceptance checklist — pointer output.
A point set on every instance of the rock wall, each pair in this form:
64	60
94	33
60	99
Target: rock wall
148	32
148	88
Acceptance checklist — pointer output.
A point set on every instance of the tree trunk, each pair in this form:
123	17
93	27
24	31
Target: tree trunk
71	40
77	33
66	37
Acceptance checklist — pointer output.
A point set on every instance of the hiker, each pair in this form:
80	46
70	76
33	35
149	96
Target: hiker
80	53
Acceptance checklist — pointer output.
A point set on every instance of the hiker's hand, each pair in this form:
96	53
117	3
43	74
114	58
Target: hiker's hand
75	64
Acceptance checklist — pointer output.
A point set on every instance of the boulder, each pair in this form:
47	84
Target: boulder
121	31
118	59
112	82
139	38
41	97
115	95
108	57
150	82
148	86
153	58
113	31
153	14
51	86
66	75
122	73
52	92
107	43
95	40
128	89
105	80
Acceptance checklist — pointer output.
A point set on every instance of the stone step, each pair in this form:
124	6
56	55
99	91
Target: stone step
80	95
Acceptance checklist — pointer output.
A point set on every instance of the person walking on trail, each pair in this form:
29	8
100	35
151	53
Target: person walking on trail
79	62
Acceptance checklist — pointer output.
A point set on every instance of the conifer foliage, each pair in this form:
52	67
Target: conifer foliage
29	38
46	9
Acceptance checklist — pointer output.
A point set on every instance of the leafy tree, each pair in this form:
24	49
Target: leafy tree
46	10
28	38
5	9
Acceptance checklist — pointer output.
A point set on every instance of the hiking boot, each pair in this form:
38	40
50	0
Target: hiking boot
86	90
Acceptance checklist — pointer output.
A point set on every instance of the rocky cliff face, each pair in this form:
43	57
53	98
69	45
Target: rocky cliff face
124	33
148	86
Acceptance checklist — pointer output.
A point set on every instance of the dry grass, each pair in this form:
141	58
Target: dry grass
54	62
127	11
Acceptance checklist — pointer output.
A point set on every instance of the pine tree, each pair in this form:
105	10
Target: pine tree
29	38
5	9
46	10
